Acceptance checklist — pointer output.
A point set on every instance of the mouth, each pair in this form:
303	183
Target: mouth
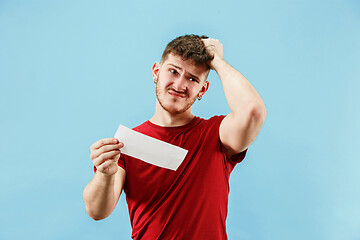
177	94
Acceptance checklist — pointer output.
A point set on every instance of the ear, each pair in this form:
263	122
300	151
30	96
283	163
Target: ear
155	71
204	88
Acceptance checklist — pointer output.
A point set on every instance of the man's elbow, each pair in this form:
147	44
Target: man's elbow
96	216
95	211
258	113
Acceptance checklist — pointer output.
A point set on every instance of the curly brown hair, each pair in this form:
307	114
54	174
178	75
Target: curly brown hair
189	47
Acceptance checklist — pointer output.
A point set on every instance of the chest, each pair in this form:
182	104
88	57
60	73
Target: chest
203	169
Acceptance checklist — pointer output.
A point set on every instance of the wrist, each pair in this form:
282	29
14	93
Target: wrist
217	63
105	179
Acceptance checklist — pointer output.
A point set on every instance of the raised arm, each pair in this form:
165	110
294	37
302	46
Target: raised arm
102	193
240	127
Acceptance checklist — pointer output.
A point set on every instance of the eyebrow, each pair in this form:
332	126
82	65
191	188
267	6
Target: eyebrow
192	75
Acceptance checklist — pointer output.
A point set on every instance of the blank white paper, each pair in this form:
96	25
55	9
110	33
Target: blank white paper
150	150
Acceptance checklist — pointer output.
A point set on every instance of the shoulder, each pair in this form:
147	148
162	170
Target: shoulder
209	126
142	127
214	121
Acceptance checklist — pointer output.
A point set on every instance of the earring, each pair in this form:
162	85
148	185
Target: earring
155	80
199	97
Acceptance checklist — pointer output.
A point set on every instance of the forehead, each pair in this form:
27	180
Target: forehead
186	65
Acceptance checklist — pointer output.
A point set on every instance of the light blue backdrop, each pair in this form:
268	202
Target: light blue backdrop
71	71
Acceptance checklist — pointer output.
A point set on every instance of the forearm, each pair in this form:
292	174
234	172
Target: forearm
239	128
240	94
99	196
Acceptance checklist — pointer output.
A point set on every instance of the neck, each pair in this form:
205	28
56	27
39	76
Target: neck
165	119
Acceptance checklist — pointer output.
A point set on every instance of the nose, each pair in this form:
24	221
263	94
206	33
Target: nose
179	84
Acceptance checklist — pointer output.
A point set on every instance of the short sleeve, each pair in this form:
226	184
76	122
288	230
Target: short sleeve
121	162
237	158
229	162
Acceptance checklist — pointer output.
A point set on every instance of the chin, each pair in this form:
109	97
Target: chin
178	106
174	110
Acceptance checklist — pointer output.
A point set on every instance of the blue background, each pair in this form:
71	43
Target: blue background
72	71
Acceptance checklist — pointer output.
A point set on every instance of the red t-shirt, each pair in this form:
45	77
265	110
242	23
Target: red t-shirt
189	203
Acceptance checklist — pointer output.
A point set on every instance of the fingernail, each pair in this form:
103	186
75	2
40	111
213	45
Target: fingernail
115	140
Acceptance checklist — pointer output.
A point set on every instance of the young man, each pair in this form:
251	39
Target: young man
191	202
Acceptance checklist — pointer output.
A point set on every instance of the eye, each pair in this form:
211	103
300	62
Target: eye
193	79
173	71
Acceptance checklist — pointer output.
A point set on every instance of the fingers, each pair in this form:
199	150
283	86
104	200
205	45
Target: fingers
105	154
214	48
108	156
213	45
103	142
106	148
107	163
108	167
211	42
115	158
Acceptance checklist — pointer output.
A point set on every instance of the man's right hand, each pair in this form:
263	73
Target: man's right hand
105	155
